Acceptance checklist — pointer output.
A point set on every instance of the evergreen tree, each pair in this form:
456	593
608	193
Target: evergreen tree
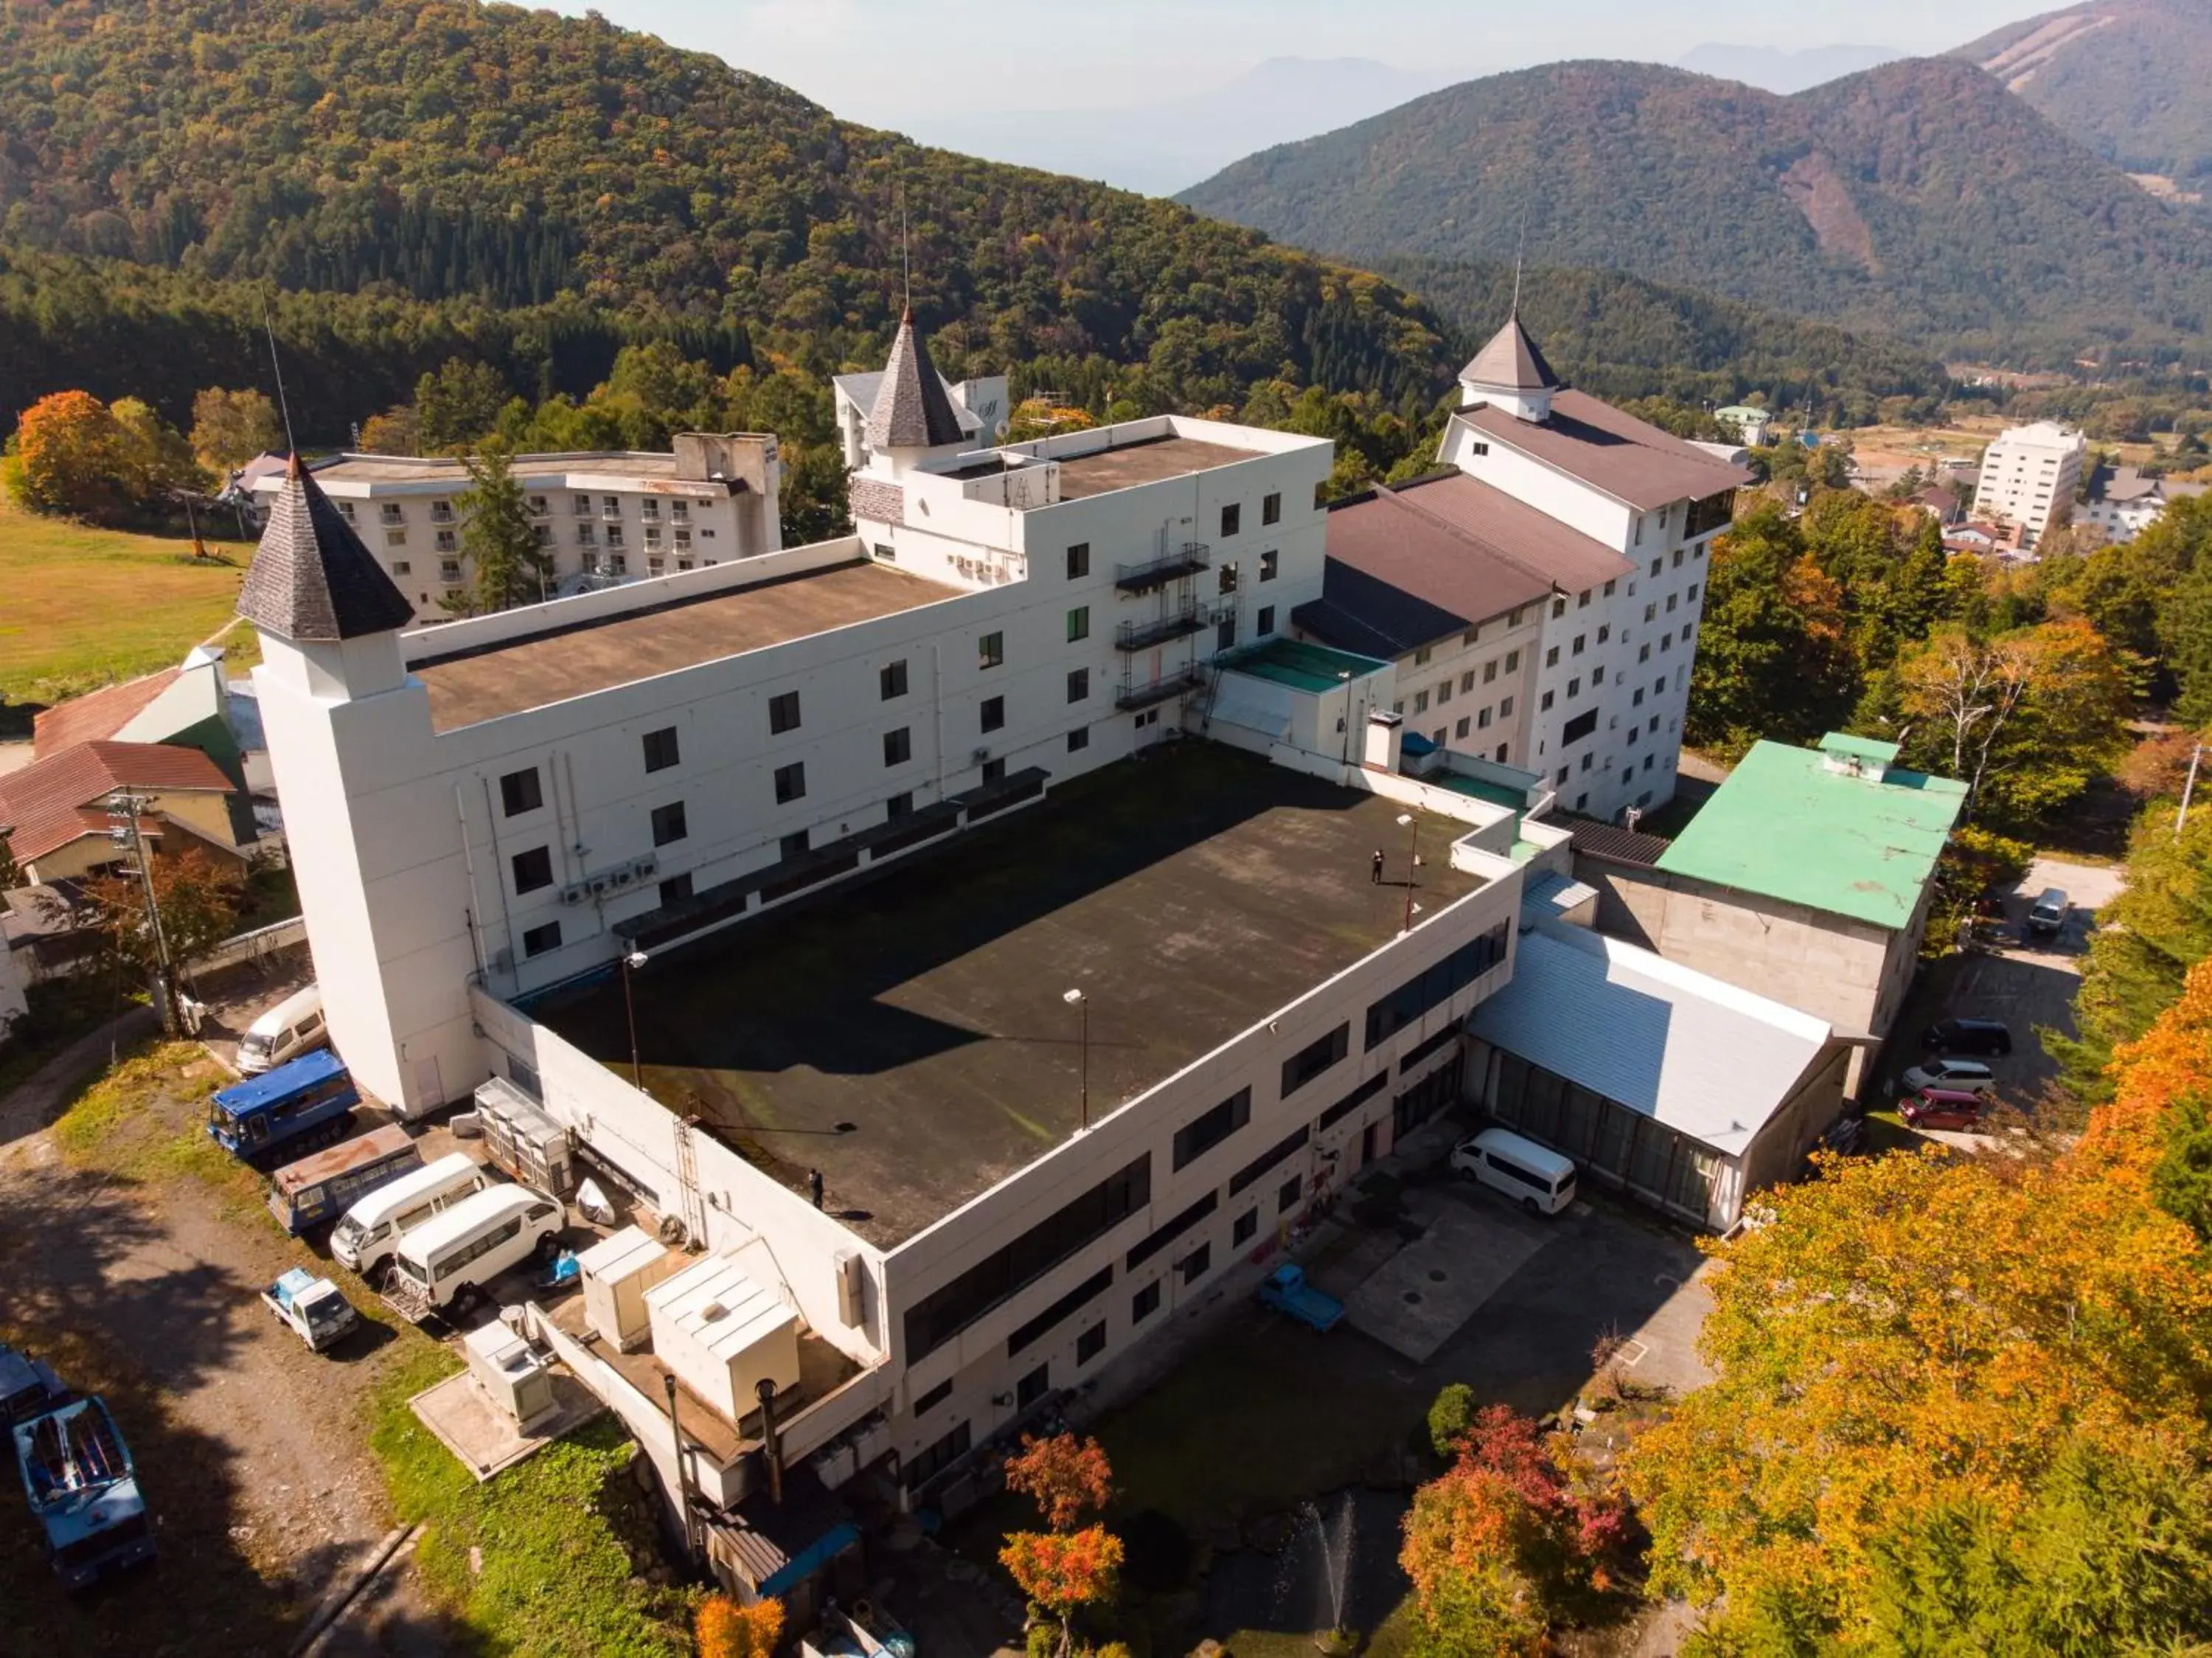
509	566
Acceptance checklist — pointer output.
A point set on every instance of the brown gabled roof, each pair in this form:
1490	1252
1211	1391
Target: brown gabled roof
1511	361
1527	535
913	409
311	579
97	713
1627	459
1398	577
52	801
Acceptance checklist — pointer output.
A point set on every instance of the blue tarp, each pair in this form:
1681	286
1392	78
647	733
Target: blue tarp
811	1558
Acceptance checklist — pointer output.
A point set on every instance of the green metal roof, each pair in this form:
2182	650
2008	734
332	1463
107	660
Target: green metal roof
1786	826
1864	748
1302	666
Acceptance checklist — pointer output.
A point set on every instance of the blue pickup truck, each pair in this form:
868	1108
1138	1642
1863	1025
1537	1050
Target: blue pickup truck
286	1113
83	1489
1287	1291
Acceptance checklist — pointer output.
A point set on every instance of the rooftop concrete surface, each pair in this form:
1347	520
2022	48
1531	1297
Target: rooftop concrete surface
420	469
597	656
1147	461
1189	894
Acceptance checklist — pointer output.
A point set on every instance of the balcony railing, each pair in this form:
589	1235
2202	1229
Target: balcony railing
1186	619
1168	686
1185	560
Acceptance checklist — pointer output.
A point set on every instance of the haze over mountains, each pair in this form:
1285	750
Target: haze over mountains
1919	196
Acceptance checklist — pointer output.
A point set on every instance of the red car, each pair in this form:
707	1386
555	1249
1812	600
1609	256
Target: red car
1943	1108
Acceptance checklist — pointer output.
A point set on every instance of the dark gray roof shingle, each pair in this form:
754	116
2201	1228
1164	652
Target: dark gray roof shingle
912	410
311	579
1511	359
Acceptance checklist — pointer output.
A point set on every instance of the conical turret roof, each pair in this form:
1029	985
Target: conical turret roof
311	579
913	409
1512	362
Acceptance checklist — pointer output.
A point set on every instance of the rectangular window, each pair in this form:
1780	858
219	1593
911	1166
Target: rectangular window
1435	985
899	806
892	678
1242	1228
1352	1102
1078	561
1271	509
536	941
993	771
1032	1387
1062	1310
790	783
898	747
1421	656
994	713
1201	1134
783	713
1079	684
937	1458
582	504
1544	702
1482	721
675	890
1286	1198
1657	564
1460	731
1078	623
1193	1266
1505	708
447	543
520	792
1228	581
1512	662
402	567
1266	621
1310	1061
1574	688
991	650
1144	1302
1552	657
1420	702
1443	692
792	846
669	824
1078	740
1232	519
1270	564
660	752
1091	1343
1168	1231
395	537
935	1397
533	869
1260	1167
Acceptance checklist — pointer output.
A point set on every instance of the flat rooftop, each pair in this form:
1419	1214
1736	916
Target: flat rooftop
423	469
1145	461
1189	894
576	660
1303	666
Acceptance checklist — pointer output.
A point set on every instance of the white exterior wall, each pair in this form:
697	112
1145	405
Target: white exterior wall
1476	691
2028	474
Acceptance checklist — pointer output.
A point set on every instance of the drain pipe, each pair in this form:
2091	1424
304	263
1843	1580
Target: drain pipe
682	1475
770	1446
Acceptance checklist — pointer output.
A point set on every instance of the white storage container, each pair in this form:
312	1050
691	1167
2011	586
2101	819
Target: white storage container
617	1272
722	1334
517	1378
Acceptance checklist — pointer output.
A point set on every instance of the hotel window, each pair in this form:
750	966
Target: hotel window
1506	708
651	537
893	678
790	783
401	567
613	505
1271	509
537	941
1232	519
1078	561
1270	562
533	869
1552	657
1574	688
1079	684
1545	705
1144	1302
1420	702
441	512
1581	639
675	890
991	650
993	713
1228	584
1656	566
449	569
583	506
1481	721
783	713
586	536
669	823
1678	558
1692	593
1266	622
1421	656
617	563
680	512
395	537
1673	599
1609	587
1091	1343
648	509
1193	1267
1443	692
898	747
655	563
1597	676
389	513
614	535
345	511
1466	681
520	792
1643	652
1512	662
1603	634
1078	623
1465	725
660	751
1079	739
1558	608
542	534
684	542
1246	1224
1583	599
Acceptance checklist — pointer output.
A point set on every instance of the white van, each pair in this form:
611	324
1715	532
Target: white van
1542	1180
292	1027
446	1260
365	1238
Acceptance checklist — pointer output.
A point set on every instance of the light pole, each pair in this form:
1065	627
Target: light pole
1344	678
1408	820
631	963
124	812
1081	1003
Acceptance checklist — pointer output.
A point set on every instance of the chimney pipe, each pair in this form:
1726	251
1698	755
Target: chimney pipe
769	1447
683	1473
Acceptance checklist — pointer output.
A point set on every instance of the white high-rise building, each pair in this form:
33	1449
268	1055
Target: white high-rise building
2029	475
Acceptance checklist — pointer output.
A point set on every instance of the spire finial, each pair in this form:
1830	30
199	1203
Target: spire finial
1520	254
283	404
905	258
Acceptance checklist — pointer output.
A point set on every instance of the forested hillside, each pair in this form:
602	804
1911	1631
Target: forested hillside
1919	198
2127	77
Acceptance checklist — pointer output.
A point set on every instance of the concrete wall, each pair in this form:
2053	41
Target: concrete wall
1476	692
1790	1135
13	1005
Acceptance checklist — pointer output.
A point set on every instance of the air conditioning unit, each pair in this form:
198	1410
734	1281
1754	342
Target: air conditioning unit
623	877
502	961
979	756
572	895
646	867
597	885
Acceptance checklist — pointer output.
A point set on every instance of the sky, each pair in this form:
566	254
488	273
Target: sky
895	63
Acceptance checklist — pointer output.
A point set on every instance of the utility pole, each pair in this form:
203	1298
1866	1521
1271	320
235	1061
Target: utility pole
124	812
2181	818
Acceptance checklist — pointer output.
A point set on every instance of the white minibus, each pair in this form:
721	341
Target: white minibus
447	1260
1541	1180
292	1027
365	1238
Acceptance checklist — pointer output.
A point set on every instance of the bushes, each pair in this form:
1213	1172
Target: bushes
1450	1418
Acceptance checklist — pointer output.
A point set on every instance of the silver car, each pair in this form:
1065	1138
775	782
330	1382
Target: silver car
1969	1075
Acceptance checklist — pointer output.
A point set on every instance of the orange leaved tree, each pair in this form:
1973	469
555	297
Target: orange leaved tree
1065	1476
1064	1568
726	1630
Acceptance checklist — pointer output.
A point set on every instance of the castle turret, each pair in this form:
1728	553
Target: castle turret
313	586
1511	373
913	420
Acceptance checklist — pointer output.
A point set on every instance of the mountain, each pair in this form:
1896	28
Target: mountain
487	159
2127	77
1161	147
1918	197
1775	69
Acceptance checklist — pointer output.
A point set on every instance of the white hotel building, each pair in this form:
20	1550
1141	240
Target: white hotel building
2028	475
981	686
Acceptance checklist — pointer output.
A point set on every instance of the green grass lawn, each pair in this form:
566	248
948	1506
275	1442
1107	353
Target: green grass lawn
85	606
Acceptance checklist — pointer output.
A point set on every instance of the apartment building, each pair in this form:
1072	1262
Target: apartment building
1566	544
2029	478
605	517
2124	502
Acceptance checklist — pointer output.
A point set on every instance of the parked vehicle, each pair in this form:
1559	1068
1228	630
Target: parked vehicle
1846	1136
294	1026
1953	1108
1968	1036
316	1308
323	1185
2046	916
289	1110
365	1237
447	1261
27	1385
1971	1075
1539	1179
84	1490
1287	1290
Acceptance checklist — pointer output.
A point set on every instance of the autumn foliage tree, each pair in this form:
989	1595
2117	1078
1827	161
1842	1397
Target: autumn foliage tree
1071	1565
200	902
723	1629
1960	1405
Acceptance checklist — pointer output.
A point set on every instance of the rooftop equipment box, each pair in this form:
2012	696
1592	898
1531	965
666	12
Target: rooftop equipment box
617	1272
521	1140
721	1334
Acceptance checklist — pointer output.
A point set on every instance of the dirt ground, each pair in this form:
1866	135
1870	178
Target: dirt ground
252	1450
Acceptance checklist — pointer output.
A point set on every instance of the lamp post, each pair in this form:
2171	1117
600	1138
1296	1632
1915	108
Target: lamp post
1081	1003
1344	678
1408	820
631	963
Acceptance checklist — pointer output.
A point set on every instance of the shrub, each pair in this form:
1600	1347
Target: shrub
1450	1417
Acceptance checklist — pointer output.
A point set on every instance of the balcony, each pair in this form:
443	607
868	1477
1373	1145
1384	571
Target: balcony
1186	560
1180	682
1186	619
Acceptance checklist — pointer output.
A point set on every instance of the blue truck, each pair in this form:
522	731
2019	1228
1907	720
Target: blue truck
83	1489
27	1387
285	1112
1287	1290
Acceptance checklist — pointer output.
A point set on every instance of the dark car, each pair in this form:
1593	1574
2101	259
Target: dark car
1950	1108
1968	1036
